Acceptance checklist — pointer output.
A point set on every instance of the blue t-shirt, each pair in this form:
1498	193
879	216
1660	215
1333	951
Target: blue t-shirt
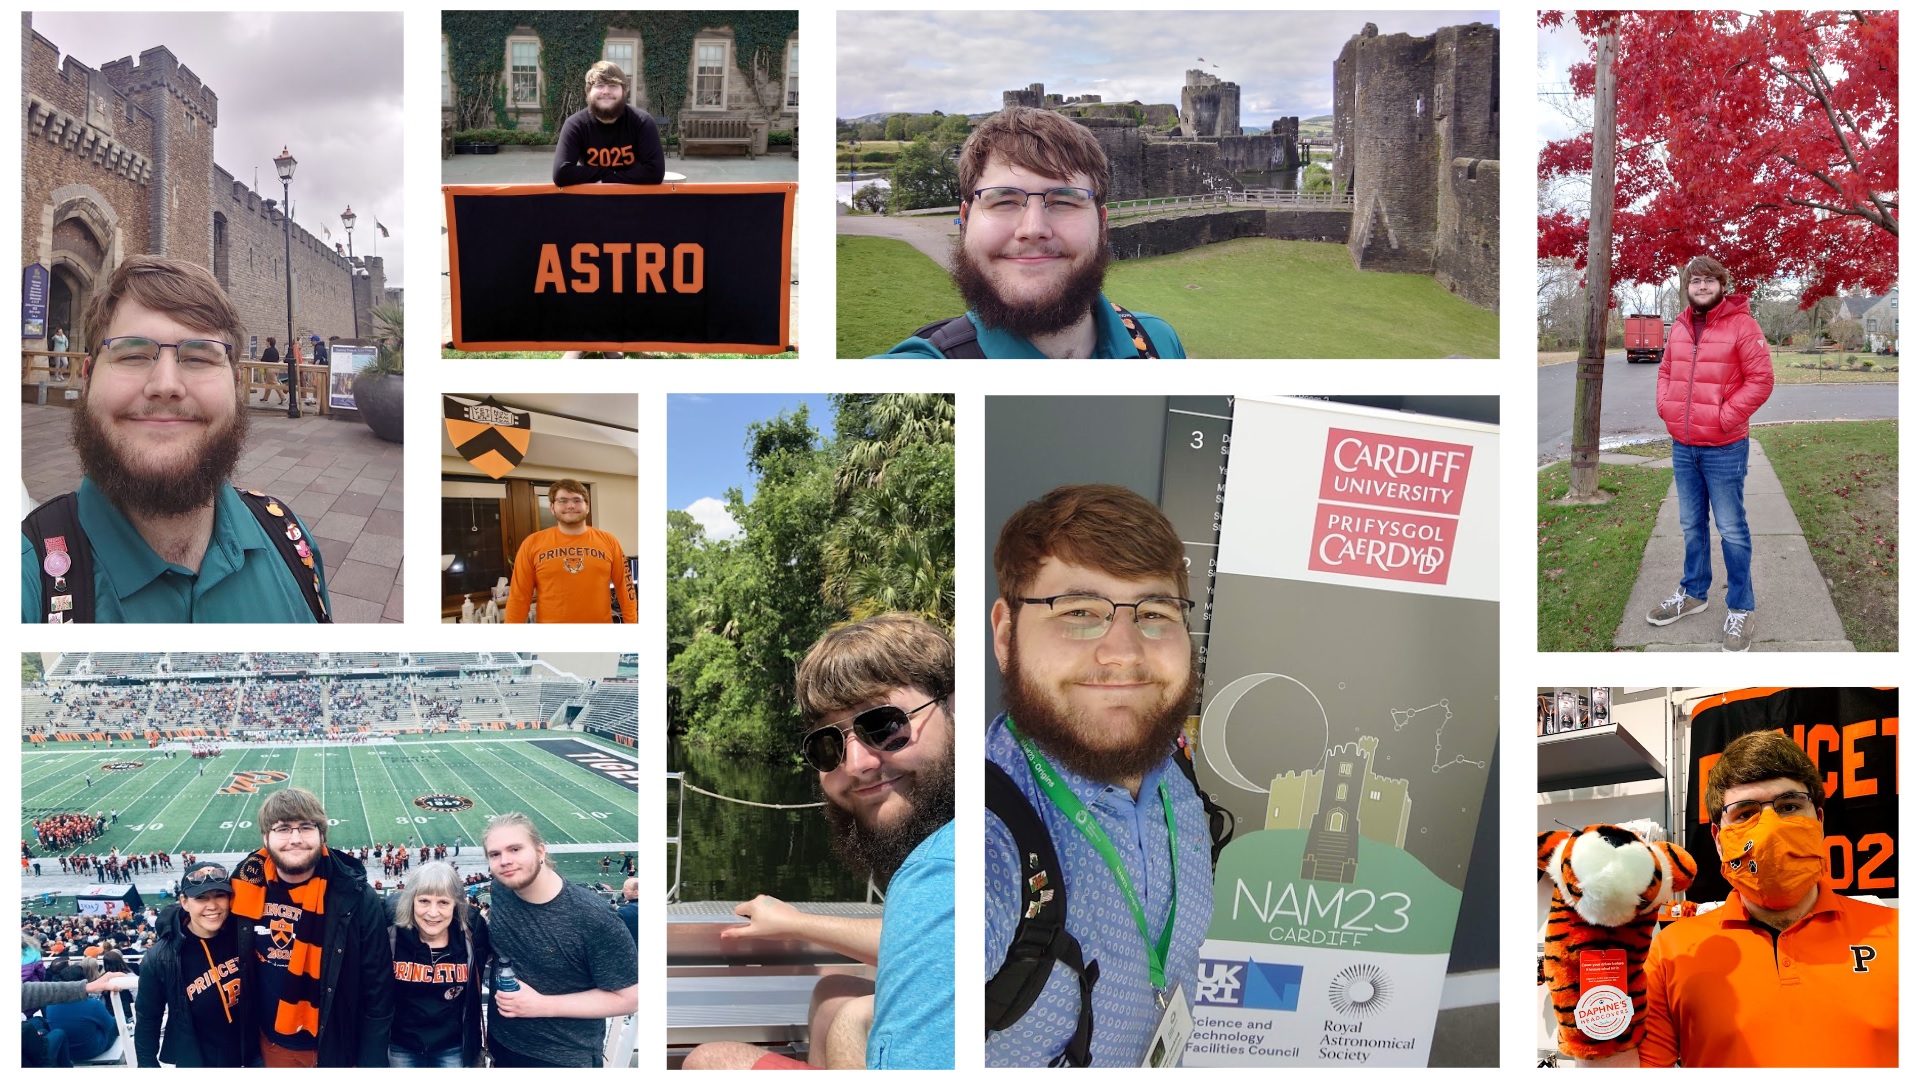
913	989
242	578
1111	340
1124	1012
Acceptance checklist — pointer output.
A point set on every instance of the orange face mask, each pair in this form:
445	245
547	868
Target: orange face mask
1772	861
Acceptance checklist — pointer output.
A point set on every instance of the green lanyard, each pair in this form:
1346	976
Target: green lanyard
1076	811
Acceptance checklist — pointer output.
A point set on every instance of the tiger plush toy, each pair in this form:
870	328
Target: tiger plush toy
1609	885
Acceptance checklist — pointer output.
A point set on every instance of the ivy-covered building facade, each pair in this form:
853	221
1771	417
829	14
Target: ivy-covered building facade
525	70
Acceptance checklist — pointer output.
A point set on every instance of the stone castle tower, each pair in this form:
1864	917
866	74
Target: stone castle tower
1208	106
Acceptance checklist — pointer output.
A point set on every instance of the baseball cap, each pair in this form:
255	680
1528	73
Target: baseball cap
205	878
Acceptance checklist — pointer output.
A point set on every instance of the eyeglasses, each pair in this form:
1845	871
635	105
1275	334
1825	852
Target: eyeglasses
299	829
1082	617
202	873
885	729
1791	804
566	502
1703	281
195	357
1012	200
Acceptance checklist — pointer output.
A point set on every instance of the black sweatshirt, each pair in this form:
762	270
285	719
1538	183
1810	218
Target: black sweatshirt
626	151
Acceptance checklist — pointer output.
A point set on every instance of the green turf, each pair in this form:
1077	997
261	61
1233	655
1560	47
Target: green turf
888	288
1590	555
1250	298
368	792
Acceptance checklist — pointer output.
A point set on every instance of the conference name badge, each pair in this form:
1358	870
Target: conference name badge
1170	1036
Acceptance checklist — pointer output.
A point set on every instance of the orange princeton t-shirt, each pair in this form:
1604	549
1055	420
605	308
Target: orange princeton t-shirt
1720	994
569	576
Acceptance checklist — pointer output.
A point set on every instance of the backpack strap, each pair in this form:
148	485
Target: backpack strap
955	338
66	559
1142	349
1219	818
1041	937
292	544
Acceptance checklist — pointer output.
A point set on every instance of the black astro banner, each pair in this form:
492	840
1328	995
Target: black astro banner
621	267
1852	735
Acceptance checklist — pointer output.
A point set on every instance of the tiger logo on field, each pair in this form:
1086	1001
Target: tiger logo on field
251	781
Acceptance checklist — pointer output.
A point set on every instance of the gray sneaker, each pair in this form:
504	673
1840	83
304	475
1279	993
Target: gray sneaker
1738	630
1675	607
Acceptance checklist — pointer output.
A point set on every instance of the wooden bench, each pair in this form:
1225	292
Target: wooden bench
715	131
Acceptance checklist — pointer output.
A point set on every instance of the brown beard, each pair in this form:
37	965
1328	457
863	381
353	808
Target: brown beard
148	494
1068	305
1058	733
1714	303
879	852
609	115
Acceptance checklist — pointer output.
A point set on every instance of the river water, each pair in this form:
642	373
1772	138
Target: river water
736	852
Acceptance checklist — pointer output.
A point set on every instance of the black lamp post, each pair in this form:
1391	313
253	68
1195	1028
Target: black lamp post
284	165
347	218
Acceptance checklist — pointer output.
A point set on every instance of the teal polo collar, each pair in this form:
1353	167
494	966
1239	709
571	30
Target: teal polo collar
1111	339
123	557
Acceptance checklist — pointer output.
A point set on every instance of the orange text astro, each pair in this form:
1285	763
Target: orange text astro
649	265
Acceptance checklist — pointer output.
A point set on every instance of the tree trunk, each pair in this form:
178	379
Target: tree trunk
1585	482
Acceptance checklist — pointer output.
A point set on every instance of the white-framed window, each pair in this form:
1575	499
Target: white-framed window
710	70
793	75
624	51
446	74
523	72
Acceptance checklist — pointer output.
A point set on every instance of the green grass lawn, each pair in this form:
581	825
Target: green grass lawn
1249	298
887	290
1590	555
1843	482
369	792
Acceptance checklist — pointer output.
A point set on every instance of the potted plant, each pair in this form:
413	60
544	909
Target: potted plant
379	392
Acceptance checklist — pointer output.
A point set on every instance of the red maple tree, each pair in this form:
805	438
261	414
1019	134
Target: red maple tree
1769	141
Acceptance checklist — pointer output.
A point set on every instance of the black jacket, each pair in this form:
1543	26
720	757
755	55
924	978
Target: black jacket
163	989
356	964
406	946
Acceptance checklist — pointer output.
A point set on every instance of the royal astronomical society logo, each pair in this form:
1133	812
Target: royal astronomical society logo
1247	984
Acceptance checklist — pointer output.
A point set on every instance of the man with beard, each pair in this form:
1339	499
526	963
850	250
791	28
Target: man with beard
1090	631
877	698
314	953
609	141
572	963
1033	251
570	568
1715	374
155	533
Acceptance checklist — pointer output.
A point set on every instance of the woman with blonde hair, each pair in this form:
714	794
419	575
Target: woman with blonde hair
439	952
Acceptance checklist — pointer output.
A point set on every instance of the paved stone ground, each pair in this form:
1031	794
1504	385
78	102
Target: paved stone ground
1793	610
535	166
342	481
930	234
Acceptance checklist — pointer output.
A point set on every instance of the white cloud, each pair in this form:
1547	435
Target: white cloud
712	515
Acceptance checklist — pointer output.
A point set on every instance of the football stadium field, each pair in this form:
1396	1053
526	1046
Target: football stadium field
437	789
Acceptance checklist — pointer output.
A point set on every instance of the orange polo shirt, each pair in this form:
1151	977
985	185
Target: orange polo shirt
1718	994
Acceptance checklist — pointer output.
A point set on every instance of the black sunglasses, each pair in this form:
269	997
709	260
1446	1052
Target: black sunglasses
885	729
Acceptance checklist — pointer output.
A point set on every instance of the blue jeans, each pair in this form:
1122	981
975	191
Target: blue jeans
1715	477
407	1059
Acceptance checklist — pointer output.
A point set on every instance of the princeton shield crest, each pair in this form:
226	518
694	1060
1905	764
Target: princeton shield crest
490	435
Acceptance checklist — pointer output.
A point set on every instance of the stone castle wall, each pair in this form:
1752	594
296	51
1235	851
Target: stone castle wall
255	270
1209	106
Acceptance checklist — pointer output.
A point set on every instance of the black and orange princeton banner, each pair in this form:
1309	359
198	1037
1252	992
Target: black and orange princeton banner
666	268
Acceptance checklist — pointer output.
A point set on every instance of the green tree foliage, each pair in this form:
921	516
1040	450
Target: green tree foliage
953	129
897	126
924	175
30	667
838	529
870	199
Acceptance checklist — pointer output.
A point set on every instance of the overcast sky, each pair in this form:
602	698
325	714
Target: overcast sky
326	86
959	62
1560	49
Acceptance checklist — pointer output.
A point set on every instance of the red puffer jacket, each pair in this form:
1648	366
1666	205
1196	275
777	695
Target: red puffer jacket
1708	388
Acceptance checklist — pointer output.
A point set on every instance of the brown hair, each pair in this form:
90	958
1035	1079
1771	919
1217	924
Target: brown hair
1103	527
857	662
512	819
605	71
1757	756
574	486
1706	266
185	292
1038	141
293	804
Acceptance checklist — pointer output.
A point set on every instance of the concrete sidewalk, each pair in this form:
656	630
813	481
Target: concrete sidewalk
1792	612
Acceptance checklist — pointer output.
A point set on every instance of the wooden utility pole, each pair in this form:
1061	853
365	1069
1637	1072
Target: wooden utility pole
1585	483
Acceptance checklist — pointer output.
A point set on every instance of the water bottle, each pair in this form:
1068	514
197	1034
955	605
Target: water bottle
504	980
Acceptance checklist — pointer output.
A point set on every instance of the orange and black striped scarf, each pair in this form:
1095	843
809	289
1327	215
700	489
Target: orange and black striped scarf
298	1009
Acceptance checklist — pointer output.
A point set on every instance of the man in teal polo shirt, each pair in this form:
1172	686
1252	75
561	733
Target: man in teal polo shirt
1033	251
160	425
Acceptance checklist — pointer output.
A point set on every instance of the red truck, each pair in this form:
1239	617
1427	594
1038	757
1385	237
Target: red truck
1646	337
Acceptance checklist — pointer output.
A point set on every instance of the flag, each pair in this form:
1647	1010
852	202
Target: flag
382	228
